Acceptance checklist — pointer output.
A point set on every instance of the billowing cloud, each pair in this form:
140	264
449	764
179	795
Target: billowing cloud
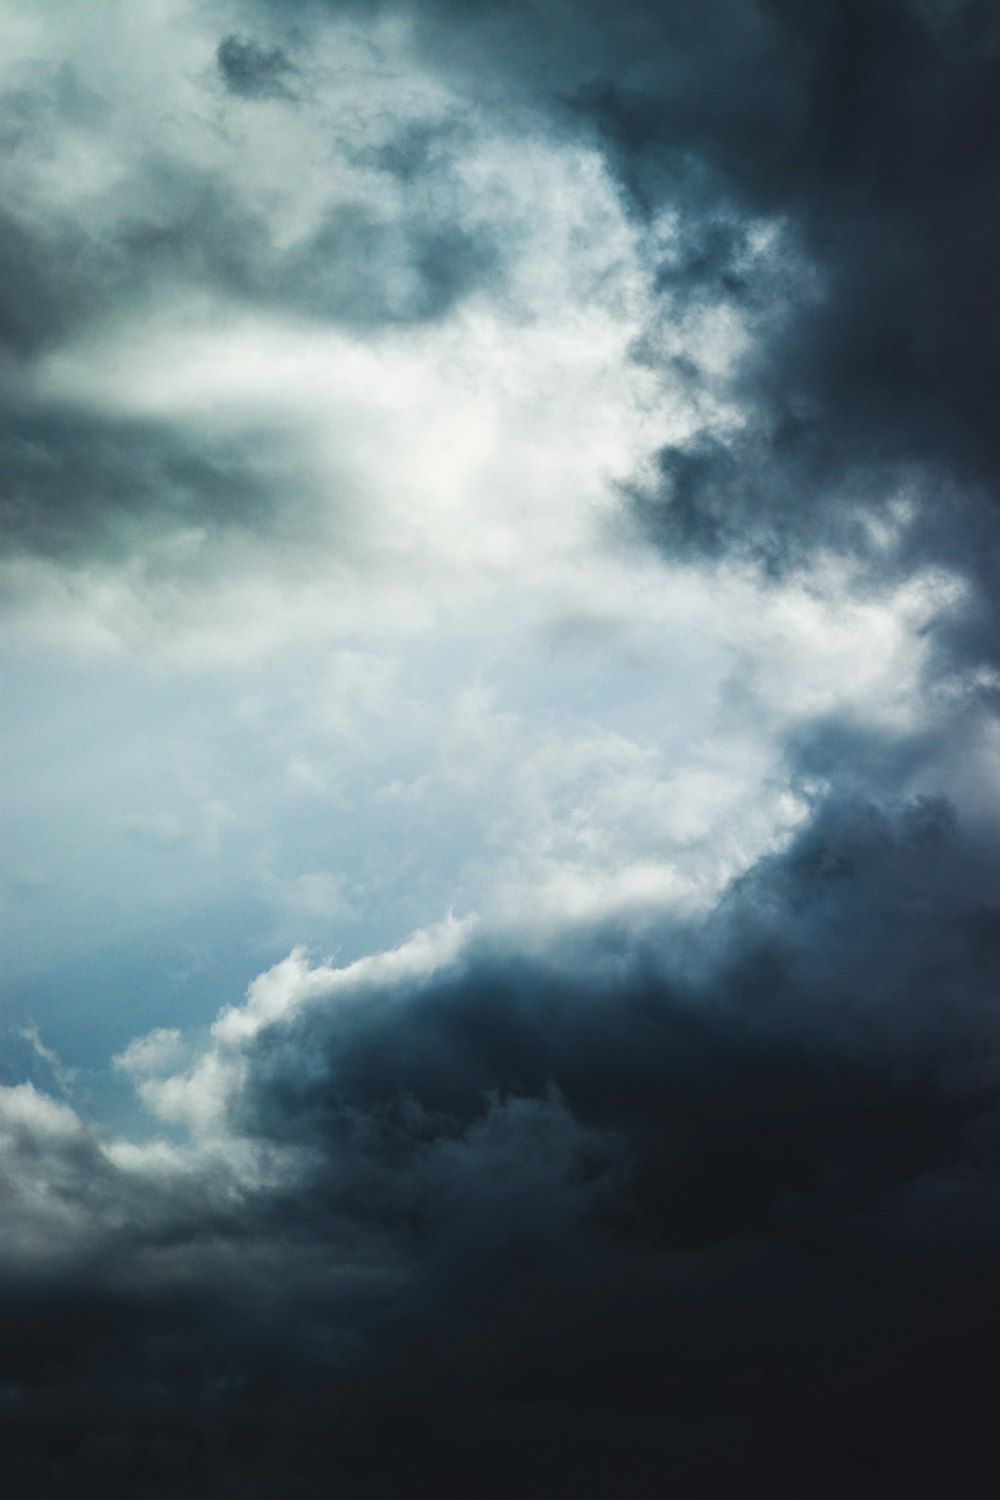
500	544
821	175
614	1197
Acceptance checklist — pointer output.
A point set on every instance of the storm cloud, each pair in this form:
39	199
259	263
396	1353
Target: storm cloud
500	531
858	142
620	1212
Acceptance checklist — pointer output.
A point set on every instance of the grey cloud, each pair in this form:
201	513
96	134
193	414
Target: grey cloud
37	302
572	1219
871	145
80	483
860	133
176	221
709	1208
80	487
365	271
866	135
253	71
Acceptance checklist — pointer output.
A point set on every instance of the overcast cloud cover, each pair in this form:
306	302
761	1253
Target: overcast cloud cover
501	864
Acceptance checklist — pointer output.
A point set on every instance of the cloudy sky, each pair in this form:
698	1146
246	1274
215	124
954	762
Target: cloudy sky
501	867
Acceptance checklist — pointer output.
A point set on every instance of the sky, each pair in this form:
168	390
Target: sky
501	655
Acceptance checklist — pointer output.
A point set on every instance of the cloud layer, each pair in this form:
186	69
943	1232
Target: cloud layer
498	500
717	1195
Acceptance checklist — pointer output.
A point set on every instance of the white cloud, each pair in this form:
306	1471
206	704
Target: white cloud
157	1052
433	676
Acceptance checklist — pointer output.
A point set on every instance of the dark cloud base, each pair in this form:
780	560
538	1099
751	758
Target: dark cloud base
712	1212
866	134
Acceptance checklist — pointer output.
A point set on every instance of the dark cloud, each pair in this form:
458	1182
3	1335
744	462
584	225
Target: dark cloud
706	1209
39	299
79	483
865	134
78	487
253	71
642	1212
360	267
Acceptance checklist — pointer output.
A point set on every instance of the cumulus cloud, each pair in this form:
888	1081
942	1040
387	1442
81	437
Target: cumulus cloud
617	1196
820	175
